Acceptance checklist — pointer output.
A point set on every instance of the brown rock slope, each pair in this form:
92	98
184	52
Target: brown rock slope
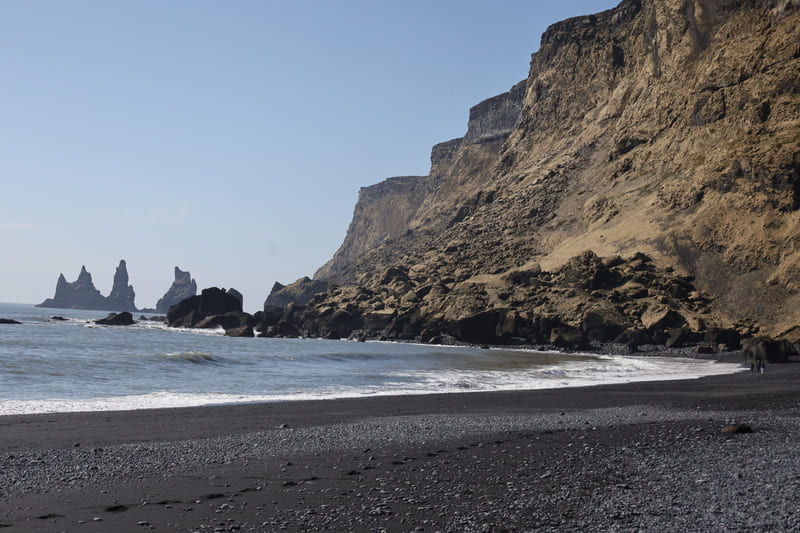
669	128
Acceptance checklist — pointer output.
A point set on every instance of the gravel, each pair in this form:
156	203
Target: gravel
616	469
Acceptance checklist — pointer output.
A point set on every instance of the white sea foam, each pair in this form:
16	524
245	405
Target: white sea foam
605	370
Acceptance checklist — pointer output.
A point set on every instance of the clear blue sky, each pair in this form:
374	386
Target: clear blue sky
228	138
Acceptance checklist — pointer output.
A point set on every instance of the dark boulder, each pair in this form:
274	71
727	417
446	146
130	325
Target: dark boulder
766	349
633	335
587	271
736	428
633	338
376	321
282	329
569	338
192	310
9	321
678	337
270	316
117	319
660	316
338	324
406	326
241	331
730	338
480	328
154	318
238	295
234	319
600	328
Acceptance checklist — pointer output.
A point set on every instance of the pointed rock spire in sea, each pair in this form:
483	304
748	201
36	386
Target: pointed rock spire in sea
183	287
122	294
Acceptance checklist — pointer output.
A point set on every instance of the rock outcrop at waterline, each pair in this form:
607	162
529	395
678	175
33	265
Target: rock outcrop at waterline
182	287
213	308
82	294
117	319
300	292
669	128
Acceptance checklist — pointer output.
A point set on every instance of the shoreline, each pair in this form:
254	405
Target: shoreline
557	459
114	404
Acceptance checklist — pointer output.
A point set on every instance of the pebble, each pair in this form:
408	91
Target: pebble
668	470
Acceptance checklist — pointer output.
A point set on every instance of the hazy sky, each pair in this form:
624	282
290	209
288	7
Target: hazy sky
228	138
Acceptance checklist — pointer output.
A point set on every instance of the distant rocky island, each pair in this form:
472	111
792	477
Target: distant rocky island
82	294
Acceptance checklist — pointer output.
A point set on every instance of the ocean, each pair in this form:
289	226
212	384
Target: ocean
49	365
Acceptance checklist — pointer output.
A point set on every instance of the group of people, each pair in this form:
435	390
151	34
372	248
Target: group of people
758	366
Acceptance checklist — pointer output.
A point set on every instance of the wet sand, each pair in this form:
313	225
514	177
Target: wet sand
647	455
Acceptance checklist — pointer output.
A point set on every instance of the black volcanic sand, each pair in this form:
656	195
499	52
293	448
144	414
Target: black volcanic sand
648	456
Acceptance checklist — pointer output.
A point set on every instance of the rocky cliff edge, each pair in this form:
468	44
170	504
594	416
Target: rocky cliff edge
664	128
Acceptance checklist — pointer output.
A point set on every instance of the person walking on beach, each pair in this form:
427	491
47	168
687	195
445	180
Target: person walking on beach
761	366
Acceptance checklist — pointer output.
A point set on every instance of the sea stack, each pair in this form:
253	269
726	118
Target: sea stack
80	294
122	294
183	287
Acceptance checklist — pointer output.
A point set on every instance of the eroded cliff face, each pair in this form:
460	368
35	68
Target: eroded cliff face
396	207
383	212
668	127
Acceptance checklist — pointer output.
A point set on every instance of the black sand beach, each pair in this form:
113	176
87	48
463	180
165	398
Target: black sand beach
645	456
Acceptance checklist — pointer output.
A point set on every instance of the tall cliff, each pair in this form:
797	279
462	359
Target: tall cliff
664	127
397	206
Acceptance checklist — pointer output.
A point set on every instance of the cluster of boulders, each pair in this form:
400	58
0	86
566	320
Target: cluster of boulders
587	302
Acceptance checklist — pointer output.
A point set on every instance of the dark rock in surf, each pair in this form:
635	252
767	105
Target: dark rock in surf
9	321
234	319
242	331
117	319
192	311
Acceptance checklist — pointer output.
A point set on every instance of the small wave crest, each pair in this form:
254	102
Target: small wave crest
198	358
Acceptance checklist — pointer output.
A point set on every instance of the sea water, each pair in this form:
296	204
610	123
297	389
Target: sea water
50	365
